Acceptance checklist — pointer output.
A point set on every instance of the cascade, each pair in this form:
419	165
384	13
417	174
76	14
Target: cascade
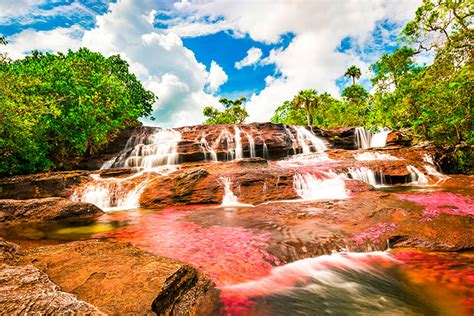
251	144
370	156
416	176
308	141
111	193
207	150
435	173
229	199
144	151
365	139
367	175
239	153
148	151
265	150
310	187
427	158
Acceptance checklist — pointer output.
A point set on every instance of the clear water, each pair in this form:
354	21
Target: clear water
262	268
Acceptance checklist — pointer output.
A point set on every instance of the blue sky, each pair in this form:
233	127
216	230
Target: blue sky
191	53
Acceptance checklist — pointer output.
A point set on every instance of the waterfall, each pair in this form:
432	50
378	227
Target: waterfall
265	150
239	153
251	145
309	187
111	193
365	139
427	158
416	176
229	199
207	150
144	151
435	173
365	174
369	156
308	141
294	143
149	151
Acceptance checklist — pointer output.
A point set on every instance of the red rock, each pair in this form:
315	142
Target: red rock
47	209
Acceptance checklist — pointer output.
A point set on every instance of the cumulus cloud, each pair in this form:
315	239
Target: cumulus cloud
253	57
184	86
217	77
160	60
311	60
56	40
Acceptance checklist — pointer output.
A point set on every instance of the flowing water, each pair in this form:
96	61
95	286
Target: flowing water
366	139
264	266
247	258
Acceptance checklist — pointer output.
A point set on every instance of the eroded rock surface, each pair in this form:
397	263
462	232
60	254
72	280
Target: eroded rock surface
41	185
26	290
121	279
47	209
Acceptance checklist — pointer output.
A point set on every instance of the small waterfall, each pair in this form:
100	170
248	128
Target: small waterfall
265	150
367	175
308	141
435	173
309	187
416	176
365	139
251	144
229	199
371	156
239	153
427	158
149	151
111	193
207	150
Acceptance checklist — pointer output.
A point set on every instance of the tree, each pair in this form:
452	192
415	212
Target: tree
288	114
307	100
233	113
353	72
57	108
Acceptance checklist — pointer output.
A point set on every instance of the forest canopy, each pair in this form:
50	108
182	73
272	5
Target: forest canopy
58	108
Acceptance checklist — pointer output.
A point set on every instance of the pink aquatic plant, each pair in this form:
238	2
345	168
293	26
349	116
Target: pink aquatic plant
436	203
374	233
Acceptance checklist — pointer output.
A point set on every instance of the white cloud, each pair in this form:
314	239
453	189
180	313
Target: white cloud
217	77
56	40
159	59
311	60
253	56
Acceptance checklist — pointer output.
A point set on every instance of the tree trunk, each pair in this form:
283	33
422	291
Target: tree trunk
353	80
308	117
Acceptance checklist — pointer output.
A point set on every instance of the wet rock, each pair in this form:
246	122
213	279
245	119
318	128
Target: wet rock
121	279
41	185
27	290
253	181
47	209
9	252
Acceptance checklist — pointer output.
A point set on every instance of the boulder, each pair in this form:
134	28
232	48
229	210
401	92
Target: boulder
121	279
47	209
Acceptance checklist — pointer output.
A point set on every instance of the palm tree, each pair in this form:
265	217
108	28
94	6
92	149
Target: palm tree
308	100
353	72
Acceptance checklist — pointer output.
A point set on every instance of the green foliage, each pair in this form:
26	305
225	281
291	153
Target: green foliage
233	113
353	72
288	114
307	100
56	108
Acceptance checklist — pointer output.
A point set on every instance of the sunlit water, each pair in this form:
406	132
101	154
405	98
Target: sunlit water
253	263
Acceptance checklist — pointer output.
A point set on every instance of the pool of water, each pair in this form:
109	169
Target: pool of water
259	267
